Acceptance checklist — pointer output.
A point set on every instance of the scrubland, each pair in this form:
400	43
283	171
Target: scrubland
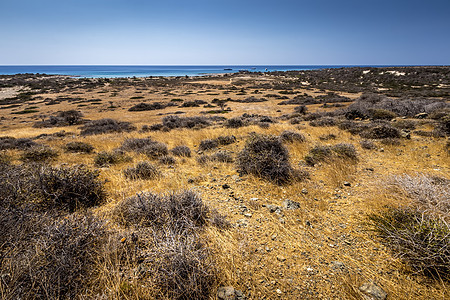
329	184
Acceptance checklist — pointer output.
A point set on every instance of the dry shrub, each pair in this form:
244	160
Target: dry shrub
105	158
7	142
63	118
219	156
182	151
70	188
142	170
208	144
324	121
328	153
184	268
147	106
289	136
58	260
106	126
39	154
235	122
226	140
167	160
422	241
430	193
163	264
266	157
172	122
155	150
136	144
79	147
381	132
180	211
367	144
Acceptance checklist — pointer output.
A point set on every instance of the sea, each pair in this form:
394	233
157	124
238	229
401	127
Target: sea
116	71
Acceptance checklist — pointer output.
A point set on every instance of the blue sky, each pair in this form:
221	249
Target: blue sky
195	32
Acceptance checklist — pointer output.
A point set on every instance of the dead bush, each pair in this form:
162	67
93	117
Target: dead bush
142	170
58	262
78	147
63	118
38	154
266	157
147	106
428	192
219	156
108	158
70	188
208	144
322	153
167	160
235	122
182	151
323	122
106	126
289	136
155	150
381	132
7	142
180	211
367	144
226	140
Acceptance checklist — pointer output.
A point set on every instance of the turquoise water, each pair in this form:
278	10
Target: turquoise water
145	71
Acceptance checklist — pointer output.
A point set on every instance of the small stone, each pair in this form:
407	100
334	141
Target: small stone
289	204
226	293
248	215
225	186
337	266
346	183
279	292
281	258
274	236
304	191
374	291
274	208
254	199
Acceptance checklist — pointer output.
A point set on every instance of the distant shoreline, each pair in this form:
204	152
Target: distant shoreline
159	71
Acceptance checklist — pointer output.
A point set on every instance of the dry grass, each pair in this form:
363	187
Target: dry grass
262	251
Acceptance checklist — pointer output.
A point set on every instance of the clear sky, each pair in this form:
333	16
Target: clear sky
215	32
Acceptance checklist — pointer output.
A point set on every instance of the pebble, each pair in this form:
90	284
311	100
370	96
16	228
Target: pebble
374	291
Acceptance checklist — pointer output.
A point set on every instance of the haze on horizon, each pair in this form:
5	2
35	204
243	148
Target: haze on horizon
205	32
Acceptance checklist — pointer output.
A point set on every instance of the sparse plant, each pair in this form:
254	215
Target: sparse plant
167	160
142	170
39	154
266	157
419	239
79	147
289	136
106	126
208	144
182	151
108	158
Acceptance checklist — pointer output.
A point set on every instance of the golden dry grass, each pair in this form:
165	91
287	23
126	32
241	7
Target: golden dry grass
267	256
